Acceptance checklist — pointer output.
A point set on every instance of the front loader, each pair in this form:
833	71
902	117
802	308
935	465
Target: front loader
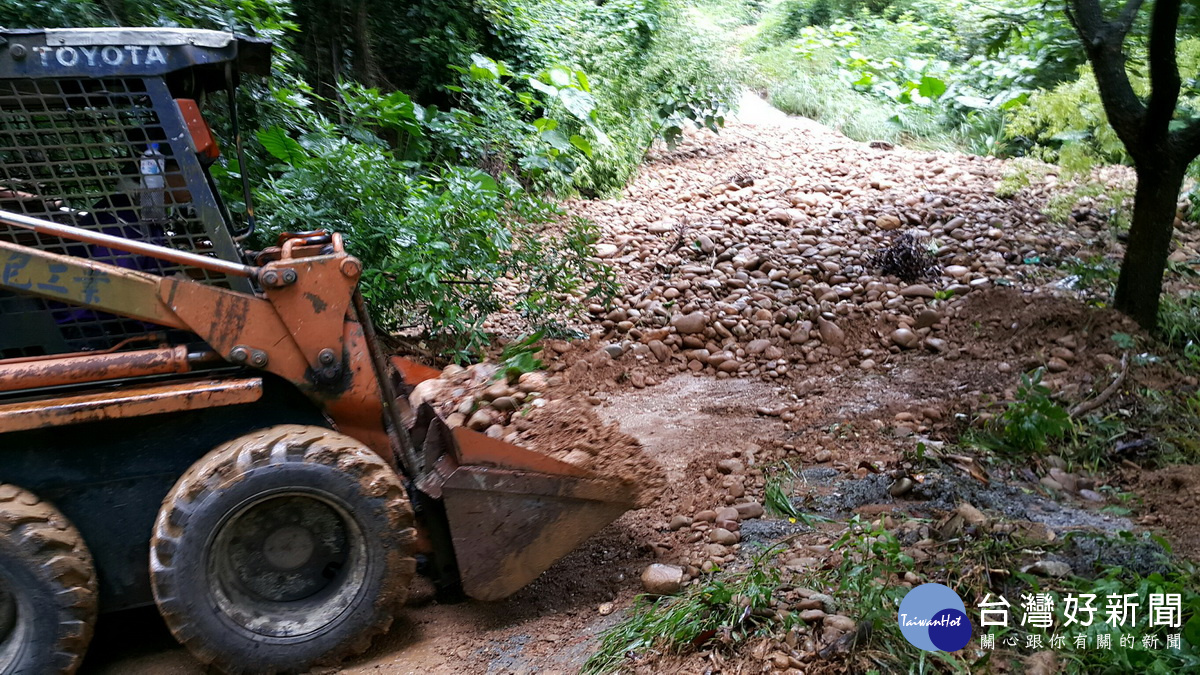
216	431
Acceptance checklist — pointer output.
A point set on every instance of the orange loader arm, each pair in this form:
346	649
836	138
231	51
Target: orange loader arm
308	326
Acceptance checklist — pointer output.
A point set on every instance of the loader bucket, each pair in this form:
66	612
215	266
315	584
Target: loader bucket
512	512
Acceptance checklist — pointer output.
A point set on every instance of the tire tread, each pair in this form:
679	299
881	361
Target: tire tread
280	445
57	551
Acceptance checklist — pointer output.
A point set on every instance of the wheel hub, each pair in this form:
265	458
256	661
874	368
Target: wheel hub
289	547
286	564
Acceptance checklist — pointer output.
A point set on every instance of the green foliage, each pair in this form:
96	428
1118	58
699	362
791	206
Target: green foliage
1094	274
53	14
737	605
681	74
942	73
517	358
433	242
731	14
1029	421
1179	320
1070	114
430	134
801	88
1118	202
867	589
1067	123
1181	578
1020	174
777	500
886	82
1032	417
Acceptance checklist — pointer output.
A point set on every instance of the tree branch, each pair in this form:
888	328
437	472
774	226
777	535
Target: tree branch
1164	69
1104	44
1187	140
1087	19
1085	407
1128	14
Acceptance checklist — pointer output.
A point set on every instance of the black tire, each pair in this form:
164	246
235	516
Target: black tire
281	550
47	588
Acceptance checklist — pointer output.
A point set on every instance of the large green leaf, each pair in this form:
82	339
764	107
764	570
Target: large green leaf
282	146
557	140
582	143
577	102
932	87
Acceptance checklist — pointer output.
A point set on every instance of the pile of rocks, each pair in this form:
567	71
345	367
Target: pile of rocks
764	277
522	410
479	398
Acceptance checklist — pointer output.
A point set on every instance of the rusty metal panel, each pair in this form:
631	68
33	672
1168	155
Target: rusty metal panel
128	402
54	372
102	288
478	449
412	372
510	526
313	307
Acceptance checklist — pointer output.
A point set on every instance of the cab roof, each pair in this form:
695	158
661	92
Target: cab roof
121	52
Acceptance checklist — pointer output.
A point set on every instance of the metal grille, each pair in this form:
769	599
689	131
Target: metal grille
88	153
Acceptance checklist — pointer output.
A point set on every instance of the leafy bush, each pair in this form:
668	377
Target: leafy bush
681	73
1070	119
51	13
906	78
1032	418
436	246
1178	578
944	72
454	122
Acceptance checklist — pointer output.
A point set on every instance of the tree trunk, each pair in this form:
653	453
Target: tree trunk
1149	242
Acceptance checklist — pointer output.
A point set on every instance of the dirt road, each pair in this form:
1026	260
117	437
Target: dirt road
756	332
549	626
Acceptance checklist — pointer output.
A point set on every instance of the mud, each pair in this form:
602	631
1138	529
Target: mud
569	428
1088	555
1171	498
541	414
942	492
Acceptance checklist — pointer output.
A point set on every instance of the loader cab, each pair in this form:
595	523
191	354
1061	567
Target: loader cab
102	129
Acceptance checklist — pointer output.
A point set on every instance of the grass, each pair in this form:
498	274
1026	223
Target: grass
1117	201
777	498
1035	425
726	609
1179	319
1019	174
1181	579
731	608
804	87
1094	274
781	484
866	587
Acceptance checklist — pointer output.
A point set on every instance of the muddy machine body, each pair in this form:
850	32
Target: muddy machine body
186	423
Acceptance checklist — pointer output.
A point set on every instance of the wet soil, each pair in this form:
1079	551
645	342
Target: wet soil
846	432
